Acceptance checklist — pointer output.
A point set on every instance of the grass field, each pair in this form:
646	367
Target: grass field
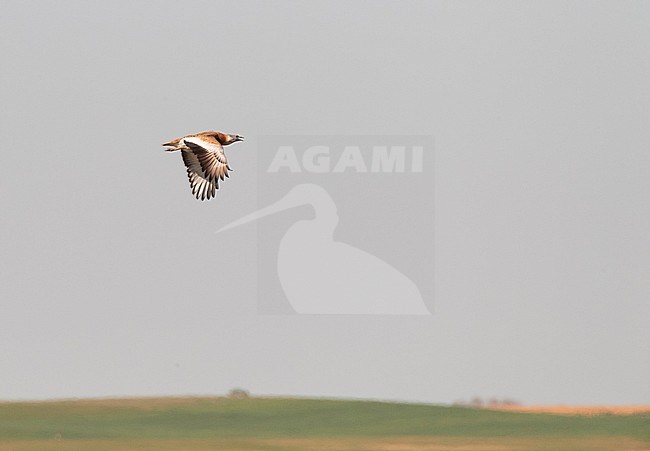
285	424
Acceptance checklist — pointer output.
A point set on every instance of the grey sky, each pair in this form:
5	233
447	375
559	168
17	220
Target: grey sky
113	283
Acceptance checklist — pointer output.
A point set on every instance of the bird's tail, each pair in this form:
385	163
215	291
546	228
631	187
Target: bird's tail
173	145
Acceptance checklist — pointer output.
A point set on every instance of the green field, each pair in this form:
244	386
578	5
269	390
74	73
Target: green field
280	423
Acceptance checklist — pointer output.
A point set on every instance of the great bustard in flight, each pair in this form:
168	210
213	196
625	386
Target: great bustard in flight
205	160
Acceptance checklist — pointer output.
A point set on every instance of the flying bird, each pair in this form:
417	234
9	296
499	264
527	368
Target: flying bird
204	159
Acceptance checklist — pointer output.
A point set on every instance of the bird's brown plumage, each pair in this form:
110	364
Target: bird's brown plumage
205	160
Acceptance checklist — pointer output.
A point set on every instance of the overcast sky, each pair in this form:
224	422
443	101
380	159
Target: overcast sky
113	283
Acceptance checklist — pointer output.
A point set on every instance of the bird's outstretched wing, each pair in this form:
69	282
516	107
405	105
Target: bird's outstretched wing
206	164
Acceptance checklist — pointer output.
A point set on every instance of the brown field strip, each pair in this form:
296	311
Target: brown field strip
576	410
337	444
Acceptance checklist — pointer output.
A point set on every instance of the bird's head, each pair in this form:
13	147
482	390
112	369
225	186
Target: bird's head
226	139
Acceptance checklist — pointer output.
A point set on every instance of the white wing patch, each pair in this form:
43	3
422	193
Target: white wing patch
206	164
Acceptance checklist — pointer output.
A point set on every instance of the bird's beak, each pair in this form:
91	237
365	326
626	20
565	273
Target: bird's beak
239	138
